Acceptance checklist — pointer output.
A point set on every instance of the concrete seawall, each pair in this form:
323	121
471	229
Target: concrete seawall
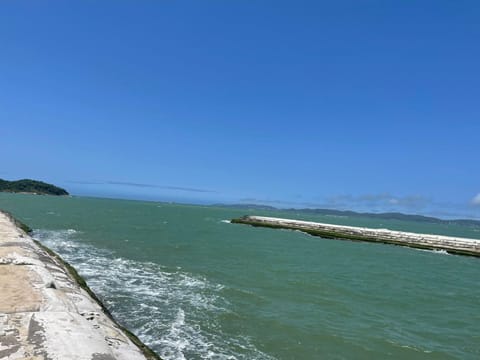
48	313
450	244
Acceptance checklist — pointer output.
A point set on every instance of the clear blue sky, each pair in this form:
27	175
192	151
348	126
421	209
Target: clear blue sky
367	105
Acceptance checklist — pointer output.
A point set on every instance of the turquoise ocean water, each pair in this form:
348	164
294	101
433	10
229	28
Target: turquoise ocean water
194	286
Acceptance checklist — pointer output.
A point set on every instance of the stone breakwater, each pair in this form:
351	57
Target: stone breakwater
453	245
48	313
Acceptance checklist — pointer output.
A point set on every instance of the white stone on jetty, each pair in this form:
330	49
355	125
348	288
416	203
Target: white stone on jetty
45	314
454	245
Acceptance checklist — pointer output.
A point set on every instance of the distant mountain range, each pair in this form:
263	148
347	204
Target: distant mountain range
31	187
386	216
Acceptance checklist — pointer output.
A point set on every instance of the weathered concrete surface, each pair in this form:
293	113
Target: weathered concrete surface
454	245
45	314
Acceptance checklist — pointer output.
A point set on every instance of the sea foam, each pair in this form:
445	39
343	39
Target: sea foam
171	310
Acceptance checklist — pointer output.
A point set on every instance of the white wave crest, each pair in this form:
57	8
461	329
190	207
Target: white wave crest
171	310
440	251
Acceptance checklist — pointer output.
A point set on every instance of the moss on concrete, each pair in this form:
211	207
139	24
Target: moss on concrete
25	228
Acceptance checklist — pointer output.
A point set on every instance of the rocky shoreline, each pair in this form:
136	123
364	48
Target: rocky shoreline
47	310
453	245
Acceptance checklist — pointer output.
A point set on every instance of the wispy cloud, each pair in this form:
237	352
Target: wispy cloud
366	202
142	185
286	203
280	203
168	187
476	200
84	182
383	201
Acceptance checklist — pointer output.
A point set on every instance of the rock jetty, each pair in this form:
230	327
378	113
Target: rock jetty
453	245
48	313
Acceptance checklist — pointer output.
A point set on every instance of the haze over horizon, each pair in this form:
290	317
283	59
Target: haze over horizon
370	107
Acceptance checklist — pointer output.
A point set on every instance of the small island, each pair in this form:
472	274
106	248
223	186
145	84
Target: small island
28	186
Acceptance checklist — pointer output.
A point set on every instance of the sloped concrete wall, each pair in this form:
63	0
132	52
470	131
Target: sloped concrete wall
45	314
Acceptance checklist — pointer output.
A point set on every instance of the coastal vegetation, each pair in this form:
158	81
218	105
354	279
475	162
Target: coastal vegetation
31	187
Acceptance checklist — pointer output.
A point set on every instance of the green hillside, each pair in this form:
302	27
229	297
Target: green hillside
31	186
